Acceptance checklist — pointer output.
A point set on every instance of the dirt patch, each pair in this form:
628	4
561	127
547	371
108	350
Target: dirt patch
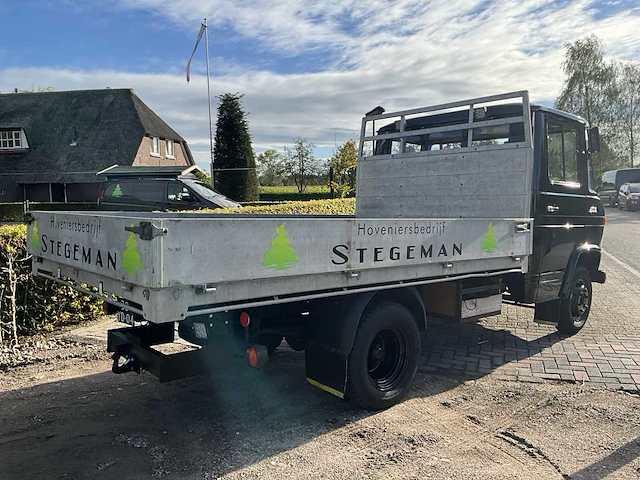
63	414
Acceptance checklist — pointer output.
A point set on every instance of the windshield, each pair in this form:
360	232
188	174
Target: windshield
207	192
634	188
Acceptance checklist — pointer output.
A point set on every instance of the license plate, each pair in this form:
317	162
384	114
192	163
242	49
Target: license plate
126	316
129	318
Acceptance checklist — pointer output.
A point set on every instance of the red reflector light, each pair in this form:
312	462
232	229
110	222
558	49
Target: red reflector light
252	357
245	320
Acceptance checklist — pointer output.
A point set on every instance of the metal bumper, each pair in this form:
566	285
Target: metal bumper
134	345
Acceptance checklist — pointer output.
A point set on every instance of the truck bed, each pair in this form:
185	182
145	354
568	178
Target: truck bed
186	264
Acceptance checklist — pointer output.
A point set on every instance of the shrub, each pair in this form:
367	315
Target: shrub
14	212
338	206
31	304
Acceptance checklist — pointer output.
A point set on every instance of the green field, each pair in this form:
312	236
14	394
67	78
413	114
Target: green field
292	189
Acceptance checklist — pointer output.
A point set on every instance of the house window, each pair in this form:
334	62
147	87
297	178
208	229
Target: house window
155	146
170	149
10	139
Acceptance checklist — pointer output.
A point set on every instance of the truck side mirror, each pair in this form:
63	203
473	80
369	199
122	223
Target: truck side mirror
594	139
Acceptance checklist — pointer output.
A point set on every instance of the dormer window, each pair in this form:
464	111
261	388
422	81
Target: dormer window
12	140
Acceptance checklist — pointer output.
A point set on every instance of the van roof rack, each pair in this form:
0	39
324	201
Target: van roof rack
118	171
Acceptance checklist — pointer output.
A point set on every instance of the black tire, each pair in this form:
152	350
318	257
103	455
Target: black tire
575	309
269	340
384	358
296	343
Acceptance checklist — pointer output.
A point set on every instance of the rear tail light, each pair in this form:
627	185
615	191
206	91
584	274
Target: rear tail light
245	319
252	357
257	356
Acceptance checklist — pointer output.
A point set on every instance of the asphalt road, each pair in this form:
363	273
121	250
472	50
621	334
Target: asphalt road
622	236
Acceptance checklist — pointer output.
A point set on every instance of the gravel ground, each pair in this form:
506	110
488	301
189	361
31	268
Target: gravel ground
64	415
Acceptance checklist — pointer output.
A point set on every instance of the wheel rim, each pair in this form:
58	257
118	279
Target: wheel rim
387	359
580	301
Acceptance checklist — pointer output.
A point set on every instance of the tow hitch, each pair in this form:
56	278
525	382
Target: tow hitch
130	364
135	345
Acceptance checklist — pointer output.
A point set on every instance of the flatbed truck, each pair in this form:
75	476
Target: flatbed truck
459	207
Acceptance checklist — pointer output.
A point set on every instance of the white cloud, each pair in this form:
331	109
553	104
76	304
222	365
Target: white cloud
403	54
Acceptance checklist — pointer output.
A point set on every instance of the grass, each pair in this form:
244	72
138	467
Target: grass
289	189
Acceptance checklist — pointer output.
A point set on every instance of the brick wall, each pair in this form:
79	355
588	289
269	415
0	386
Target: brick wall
144	157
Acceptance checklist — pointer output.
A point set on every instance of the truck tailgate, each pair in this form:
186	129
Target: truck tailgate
97	243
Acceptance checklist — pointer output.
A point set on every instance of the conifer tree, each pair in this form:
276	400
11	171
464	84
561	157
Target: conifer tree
233	151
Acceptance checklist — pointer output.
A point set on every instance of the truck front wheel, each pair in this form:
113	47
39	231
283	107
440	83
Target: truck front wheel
574	309
384	358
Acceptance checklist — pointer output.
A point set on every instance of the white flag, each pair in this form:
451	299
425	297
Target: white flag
202	27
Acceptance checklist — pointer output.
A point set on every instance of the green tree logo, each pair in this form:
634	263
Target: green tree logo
130	257
489	244
35	238
280	256
117	192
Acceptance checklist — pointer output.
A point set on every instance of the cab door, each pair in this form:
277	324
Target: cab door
565	206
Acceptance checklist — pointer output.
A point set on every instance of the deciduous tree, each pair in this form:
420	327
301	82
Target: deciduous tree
300	163
271	169
343	164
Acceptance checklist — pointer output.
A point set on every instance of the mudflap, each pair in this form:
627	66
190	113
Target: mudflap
547	312
326	368
134	344
330	330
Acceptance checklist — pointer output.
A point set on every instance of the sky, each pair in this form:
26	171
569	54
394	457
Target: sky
306	68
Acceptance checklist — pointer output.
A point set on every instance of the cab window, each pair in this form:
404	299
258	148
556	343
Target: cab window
562	153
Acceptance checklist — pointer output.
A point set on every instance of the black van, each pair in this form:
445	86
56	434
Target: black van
613	180
148	189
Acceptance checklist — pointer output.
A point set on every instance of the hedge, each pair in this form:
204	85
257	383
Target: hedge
13	212
31	304
338	206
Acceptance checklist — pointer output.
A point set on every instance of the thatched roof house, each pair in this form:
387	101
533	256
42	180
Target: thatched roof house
52	144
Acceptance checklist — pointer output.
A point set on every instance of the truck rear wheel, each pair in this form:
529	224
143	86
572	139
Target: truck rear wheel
575	309
384	358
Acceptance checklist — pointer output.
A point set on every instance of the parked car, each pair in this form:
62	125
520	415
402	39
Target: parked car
629	197
148	189
613	180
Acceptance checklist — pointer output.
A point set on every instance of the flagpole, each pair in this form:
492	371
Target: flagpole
206	47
